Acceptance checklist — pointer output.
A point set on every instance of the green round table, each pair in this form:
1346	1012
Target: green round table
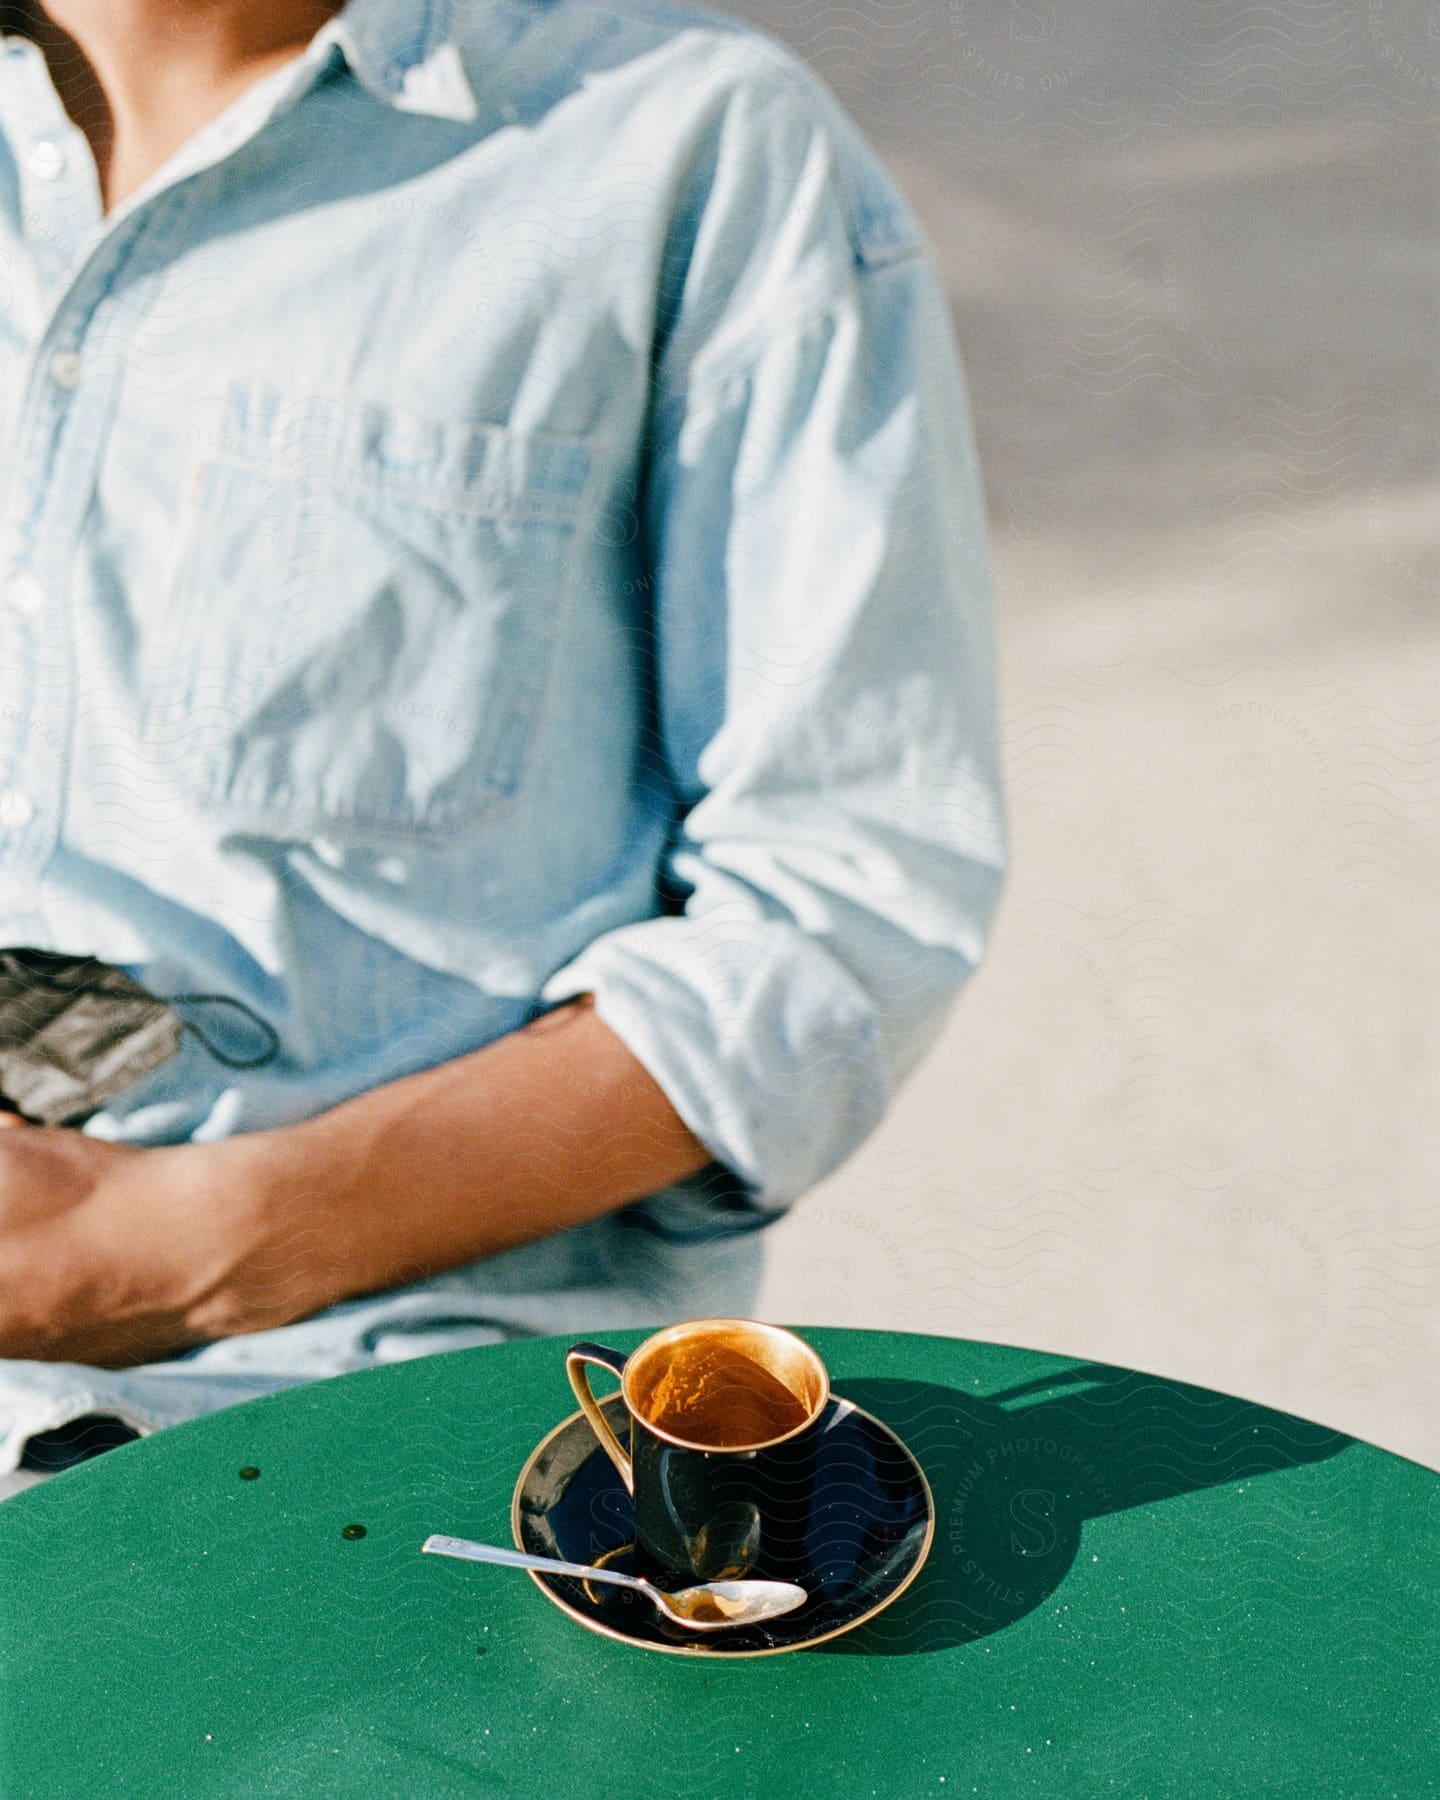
1135	1588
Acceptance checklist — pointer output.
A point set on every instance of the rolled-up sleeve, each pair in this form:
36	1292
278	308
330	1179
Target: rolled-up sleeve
820	635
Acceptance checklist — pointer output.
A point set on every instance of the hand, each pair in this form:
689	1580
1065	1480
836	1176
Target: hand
114	1254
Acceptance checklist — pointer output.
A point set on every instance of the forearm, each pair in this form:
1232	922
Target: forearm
543	1129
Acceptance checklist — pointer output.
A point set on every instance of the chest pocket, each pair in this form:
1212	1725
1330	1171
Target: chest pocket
364	613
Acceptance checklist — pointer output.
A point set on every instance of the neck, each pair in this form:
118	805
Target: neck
138	76
134	46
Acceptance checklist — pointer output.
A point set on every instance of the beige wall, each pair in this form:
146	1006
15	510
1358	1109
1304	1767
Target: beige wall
1187	1116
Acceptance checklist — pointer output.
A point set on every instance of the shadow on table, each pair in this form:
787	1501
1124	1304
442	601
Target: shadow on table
1016	1474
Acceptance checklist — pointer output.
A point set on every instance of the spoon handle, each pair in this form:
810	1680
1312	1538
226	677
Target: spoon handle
521	1559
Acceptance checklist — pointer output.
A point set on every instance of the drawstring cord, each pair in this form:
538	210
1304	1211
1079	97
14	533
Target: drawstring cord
230	1062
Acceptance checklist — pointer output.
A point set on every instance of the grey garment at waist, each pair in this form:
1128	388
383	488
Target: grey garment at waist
18	1481
609	1274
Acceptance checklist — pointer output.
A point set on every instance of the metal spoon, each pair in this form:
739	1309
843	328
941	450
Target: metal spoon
713	1606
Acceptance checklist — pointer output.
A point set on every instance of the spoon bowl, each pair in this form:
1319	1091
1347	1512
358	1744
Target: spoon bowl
710	1606
715	1604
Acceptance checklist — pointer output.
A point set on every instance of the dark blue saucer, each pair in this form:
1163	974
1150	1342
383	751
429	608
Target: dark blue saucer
868	1529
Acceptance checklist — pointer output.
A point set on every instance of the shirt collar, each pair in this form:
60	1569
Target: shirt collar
404	53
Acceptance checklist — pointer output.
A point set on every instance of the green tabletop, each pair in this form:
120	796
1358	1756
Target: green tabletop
1136	1588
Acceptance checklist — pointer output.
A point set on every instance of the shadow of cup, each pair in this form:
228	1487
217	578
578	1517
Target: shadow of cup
1015	1475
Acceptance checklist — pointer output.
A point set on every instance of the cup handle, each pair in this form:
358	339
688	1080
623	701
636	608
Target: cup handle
576	1358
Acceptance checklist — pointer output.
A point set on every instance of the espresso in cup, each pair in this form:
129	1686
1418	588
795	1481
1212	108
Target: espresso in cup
720	1457
717	1393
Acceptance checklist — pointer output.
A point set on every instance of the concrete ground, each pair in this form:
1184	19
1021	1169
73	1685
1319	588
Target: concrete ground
1186	1117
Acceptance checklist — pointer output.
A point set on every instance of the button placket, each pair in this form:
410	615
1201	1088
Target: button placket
44	159
59	443
60	196
16	808
24	594
67	370
22	747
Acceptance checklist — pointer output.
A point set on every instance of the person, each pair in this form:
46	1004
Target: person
493	580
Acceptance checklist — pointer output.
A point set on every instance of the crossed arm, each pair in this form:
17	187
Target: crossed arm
114	1254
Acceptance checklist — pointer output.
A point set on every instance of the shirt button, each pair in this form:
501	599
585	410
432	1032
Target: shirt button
45	159
16	807
24	594
66	369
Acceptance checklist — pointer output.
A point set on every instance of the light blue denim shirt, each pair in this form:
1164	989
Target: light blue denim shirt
494	517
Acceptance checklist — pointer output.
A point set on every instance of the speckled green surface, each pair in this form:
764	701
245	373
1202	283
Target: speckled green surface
1136	1588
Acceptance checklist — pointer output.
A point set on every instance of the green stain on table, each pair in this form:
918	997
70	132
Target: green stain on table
1136	1587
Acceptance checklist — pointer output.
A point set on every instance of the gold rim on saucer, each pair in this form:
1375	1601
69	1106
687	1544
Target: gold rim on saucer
699	1648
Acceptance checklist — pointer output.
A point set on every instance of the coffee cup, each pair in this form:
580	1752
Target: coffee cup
721	1442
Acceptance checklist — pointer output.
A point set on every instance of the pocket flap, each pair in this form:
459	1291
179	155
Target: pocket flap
461	465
